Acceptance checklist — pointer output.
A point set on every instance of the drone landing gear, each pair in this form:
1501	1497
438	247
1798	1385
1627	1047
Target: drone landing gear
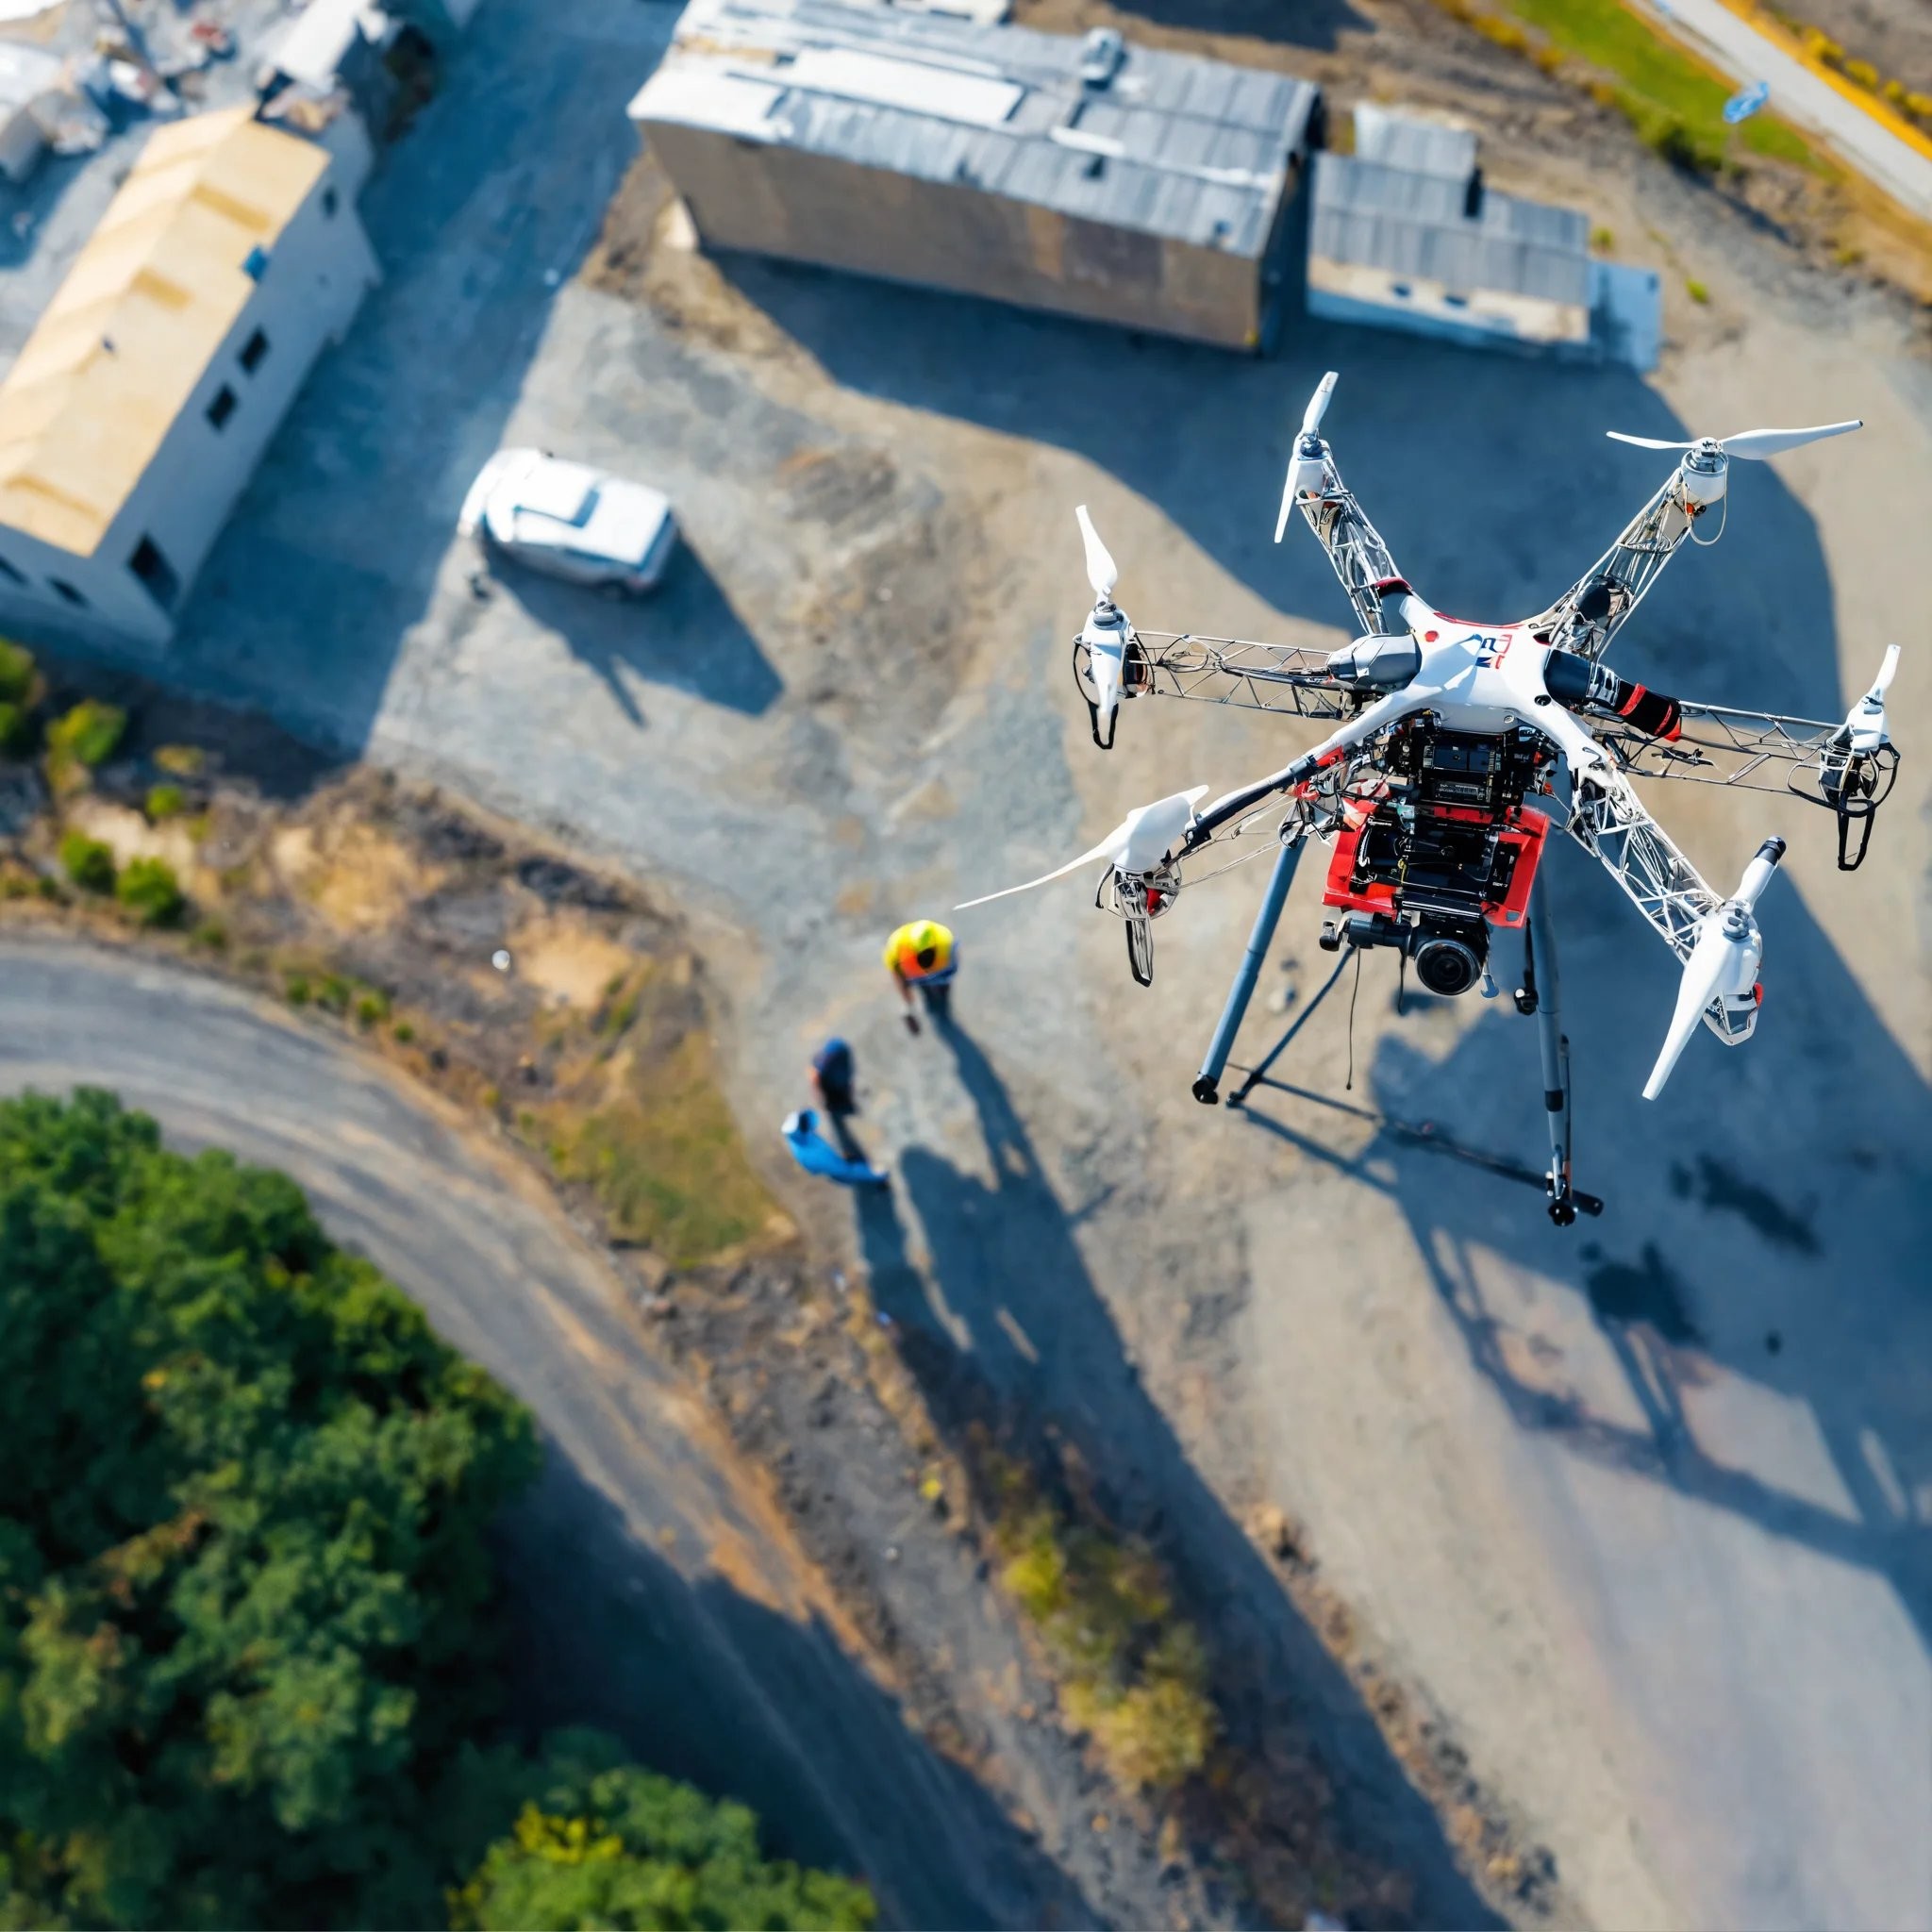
1208	1082
1544	1001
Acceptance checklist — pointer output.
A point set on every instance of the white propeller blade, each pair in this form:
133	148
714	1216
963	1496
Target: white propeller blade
1305	473
1106	657
1136	844
1318	405
1101	571
1865	723
1723	964
1705	972
1754	445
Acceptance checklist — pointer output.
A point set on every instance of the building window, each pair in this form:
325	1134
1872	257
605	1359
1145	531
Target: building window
1455	301
12	575
328	202
156	573
255	264
221	408
67	590
254	352
1400	290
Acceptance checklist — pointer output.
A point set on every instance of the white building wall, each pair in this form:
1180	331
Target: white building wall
318	272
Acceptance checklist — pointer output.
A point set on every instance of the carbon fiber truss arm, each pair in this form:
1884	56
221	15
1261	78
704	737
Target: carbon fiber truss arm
1608	821
1355	546
1717	746
1285	679
1593	610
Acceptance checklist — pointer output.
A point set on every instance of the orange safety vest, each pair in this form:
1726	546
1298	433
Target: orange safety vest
920	937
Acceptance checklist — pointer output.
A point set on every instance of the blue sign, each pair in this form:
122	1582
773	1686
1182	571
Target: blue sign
1746	102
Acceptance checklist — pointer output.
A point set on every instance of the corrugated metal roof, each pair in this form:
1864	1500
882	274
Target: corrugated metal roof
147	303
1374	216
1170	145
1423	147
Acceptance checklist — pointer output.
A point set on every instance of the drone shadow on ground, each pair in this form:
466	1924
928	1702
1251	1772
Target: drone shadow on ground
1759	1279
1489	474
1055	1360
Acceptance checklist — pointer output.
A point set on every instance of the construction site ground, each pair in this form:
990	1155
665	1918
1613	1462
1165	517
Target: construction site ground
1636	1517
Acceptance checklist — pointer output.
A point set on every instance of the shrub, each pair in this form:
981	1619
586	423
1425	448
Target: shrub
16	672
87	862
165	802
149	888
402	1033
180	761
88	733
1697	292
1862	73
1601	238
295	989
14	731
371	1006
212	934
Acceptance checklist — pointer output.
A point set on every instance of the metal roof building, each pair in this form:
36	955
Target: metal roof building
1404	234
1111	180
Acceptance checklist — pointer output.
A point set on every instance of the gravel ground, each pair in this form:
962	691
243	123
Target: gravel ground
1638	1513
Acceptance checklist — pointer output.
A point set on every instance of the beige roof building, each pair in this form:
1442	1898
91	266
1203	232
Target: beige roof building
138	409
131	331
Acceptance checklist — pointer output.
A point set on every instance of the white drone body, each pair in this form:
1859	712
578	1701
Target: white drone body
1549	735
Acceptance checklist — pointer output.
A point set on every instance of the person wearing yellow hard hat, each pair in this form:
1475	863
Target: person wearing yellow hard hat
923	953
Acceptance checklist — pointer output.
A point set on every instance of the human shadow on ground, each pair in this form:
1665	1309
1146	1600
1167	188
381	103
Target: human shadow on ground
705	1683
1489	474
1762	1253
1011	1319
648	639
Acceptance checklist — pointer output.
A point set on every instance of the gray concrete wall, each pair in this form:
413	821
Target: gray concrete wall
772	200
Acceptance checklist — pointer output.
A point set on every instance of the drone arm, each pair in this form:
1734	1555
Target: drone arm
1359	556
1594	609
1235	806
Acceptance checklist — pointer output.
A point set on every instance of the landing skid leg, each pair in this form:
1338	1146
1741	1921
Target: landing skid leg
1542	995
1208	1082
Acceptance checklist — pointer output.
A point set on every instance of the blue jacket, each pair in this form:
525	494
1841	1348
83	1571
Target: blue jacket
817	1154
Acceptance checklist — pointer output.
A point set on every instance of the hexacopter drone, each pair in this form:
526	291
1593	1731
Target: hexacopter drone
1446	730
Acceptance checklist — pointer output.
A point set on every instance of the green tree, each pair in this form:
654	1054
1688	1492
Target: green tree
87	862
244	1591
599	1842
148	888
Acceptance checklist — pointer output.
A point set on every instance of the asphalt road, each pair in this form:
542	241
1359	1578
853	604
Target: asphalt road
659	1593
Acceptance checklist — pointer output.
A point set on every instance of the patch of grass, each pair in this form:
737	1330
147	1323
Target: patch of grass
1601	239
165	802
1697	292
87	862
295	989
1134	1675
16	674
1676	105
211	934
402	1033
181	761
148	888
89	734
664	1159
371	1006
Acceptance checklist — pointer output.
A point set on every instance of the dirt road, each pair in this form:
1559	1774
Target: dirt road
659	1593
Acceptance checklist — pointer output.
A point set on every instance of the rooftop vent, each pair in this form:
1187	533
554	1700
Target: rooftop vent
1100	54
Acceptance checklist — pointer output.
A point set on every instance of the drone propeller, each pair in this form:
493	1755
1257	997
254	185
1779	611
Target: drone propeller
1723	966
1137	846
1310	461
1103	634
1864	727
1102	572
1754	445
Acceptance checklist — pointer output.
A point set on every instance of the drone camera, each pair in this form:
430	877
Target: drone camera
1450	955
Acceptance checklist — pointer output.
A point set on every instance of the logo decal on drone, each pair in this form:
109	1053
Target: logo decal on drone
1491	648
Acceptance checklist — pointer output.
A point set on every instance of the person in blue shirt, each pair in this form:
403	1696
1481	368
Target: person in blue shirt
817	1154
832	1075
